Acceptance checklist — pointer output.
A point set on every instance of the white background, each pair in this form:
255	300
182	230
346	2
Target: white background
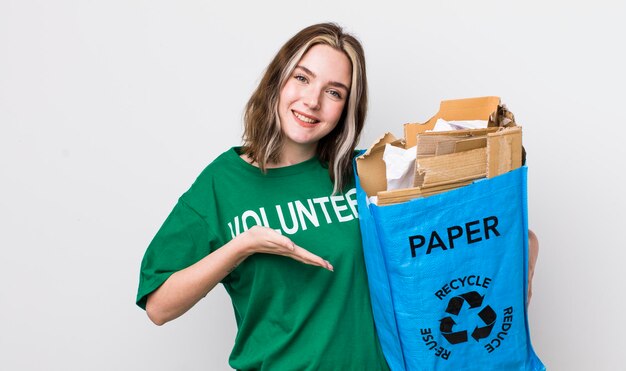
110	109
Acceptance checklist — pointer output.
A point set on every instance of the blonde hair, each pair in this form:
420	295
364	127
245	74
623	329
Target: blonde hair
262	131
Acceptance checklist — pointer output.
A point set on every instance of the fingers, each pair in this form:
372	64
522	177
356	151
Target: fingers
273	237
288	243
301	254
269	241
308	257
264	240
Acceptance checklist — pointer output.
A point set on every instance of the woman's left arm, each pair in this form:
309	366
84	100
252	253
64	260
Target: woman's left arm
533	252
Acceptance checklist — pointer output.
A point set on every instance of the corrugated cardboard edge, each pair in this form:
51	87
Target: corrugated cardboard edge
480	108
371	167
451	168
504	151
401	195
427	143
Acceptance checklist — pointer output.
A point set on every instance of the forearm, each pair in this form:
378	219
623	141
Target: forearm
183	289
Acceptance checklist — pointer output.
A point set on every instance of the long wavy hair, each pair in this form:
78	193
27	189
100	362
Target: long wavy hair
263	138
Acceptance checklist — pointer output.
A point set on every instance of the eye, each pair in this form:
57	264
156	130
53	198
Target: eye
335	93
300	78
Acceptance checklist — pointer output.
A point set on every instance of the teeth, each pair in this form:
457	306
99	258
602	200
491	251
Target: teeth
304	118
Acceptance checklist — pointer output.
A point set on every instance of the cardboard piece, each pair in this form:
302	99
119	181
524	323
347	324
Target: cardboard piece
450	159
442	142
455	167
374	165
397	196
505	151
457	109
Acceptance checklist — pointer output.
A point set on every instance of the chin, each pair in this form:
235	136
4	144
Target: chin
297	135
303	141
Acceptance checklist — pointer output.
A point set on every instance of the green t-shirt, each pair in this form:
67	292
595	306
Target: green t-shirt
290	316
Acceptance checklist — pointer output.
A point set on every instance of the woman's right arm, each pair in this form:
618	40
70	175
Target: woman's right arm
184	288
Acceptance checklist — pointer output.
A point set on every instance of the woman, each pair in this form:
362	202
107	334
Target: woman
286	197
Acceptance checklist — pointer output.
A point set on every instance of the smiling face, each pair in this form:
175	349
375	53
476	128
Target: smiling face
312	100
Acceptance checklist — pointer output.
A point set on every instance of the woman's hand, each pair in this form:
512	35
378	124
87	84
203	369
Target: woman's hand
267	241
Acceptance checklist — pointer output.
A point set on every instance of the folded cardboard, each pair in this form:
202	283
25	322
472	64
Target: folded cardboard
449	159
482	108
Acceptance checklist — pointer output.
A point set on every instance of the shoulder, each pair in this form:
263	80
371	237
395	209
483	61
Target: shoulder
204	183
220	164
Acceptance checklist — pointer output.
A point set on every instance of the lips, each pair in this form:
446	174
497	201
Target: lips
305	120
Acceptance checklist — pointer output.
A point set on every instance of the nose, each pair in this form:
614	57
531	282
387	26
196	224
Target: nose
311	99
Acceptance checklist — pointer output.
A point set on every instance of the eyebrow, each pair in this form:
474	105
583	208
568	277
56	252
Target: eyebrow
332	83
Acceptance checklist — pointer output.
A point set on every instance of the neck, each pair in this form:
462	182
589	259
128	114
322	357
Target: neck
295	154
290	155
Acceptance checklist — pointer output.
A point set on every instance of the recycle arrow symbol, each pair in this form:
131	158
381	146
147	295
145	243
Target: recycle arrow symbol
446	330
489	318
472	298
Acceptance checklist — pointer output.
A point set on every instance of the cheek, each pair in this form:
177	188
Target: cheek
335	111
288	94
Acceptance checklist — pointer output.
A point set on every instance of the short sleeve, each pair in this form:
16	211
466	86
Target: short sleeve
183	239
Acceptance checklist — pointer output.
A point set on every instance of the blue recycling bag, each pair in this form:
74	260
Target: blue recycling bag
448	277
